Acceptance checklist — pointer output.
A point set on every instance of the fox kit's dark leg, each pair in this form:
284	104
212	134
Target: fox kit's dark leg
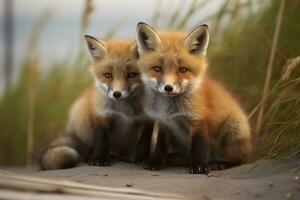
199	152
100	150
143	147
159	154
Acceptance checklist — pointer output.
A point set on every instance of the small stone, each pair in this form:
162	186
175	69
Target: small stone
296	178
128	185
105	174
288	195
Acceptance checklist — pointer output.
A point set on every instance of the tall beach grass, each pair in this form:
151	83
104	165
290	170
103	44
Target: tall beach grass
35	109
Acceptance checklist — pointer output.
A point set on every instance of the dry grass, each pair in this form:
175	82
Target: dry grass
36	108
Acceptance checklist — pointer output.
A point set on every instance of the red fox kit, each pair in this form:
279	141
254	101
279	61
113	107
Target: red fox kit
179	95
106	121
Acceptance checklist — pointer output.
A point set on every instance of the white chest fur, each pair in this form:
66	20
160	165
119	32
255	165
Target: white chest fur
171	112
129	109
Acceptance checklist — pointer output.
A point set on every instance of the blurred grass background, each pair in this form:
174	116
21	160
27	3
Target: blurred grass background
35	109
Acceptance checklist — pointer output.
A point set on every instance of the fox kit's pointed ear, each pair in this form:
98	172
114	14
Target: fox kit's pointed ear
197	41
96	48
134	50
146	38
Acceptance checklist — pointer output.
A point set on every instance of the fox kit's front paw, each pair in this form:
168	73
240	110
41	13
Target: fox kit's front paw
99	161
153	165
199	168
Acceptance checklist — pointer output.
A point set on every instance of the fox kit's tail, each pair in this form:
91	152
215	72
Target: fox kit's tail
61	153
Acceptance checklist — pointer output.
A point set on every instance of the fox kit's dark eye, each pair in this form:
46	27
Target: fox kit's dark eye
157	68
132	74
108	75
183	70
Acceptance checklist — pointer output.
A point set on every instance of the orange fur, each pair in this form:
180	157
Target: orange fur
88	111
119	62
213	108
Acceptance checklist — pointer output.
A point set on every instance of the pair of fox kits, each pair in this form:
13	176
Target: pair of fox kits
153	90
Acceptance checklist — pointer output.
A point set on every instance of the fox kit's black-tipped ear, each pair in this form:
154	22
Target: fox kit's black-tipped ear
146	38
197	41
134	50
96	48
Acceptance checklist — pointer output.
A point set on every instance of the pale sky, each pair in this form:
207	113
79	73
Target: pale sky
60	35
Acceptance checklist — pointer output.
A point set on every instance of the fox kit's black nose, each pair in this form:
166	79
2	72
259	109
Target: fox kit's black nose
117	94
168	88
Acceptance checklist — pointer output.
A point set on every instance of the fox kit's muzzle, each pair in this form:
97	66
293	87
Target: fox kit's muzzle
169	85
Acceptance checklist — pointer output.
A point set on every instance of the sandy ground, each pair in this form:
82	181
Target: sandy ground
268	179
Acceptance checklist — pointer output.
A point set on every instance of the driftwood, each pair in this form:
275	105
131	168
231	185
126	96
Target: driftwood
20	187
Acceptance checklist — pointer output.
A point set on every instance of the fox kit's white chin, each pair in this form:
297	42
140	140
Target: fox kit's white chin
169	94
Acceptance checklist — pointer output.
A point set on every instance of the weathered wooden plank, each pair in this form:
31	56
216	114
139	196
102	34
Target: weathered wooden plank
27	187
18	195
